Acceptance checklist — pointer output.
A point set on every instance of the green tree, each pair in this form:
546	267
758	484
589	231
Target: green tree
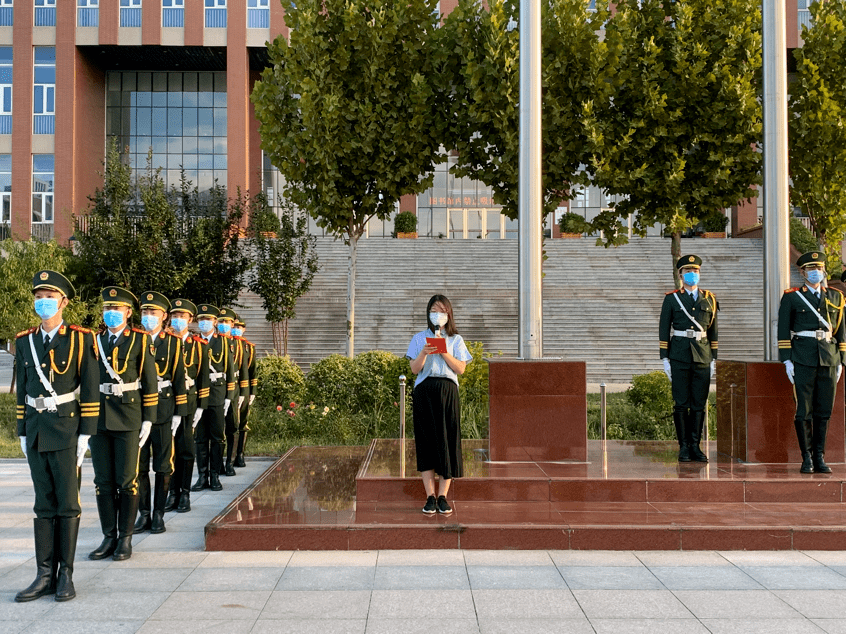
675	125
478	68
285	263
348	113
817	128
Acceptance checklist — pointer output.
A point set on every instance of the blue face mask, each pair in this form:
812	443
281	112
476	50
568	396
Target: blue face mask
224	328
815	276
178	324
205	325
112	318
691	278
46	307
237	332
150	322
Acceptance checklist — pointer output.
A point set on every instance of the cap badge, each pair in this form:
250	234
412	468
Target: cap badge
149	296
690	259
113	293
44	276
815	255
178	302
204	308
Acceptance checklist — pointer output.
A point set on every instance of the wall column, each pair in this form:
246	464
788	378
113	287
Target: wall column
22	123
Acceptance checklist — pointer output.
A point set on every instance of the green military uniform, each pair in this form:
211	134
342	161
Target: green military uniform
197	391
690	345
209	433
124	405
248	384
815	349
233	416
173	402
51	420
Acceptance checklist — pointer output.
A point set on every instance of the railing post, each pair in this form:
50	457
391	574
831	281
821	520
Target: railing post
402	424
603	404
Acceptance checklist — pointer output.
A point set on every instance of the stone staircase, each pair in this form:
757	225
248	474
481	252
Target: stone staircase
599	305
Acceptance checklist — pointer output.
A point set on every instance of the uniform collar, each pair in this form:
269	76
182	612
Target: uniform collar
52	333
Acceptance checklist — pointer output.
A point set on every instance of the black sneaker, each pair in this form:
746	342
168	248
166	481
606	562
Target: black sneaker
431	505
443	507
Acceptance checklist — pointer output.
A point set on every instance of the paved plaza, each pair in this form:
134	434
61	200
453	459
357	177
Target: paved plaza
171	585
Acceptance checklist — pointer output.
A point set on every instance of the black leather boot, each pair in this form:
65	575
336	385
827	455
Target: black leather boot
126	517
679	416
214	482
68	530
803	435
231	440
162	482
239	454
144	521
818	454
184	502
697	424
45	556
107	510
172	499
202	451
215	465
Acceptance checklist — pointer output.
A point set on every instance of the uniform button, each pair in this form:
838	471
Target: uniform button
43	365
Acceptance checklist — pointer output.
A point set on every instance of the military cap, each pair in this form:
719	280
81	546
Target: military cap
240	323
119	296
53	281
689	260
227	313
152	299
184	305
207	310
811	257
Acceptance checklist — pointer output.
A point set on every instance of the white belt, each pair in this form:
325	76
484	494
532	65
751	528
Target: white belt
822	335
119	388
48	402
214	376
690	333
189	382
162	385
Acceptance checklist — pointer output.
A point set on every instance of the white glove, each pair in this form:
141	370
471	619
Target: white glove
81	448
240	401
839	372
174	424
23	445
667	369
197	416
226	405
713	368
788	366
252	398
146	426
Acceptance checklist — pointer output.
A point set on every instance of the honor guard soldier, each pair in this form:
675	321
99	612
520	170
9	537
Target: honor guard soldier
173	405
688	344
812	345
209	433
128	399
225	322
249	383
53	360
196	363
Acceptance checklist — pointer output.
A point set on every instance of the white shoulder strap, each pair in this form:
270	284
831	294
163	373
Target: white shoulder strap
47	385
689	316
109	370
816	312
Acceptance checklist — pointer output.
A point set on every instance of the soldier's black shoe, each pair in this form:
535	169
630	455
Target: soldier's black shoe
819	464
239	461
807	464
172	501
184	503
803	435
818	434
684	453
697	423
143	524
124	548
229	470
105	549
157	524
128	511
214	482
68	529
45	554
201	483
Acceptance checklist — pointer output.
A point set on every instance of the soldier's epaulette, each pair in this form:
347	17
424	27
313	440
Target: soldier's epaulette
24	333
791	290
82	329
199	339
671	292
835	289
140	331
172	334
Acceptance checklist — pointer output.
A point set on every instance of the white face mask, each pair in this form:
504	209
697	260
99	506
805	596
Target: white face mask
439	319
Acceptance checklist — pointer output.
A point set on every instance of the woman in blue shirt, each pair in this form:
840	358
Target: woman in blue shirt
437	411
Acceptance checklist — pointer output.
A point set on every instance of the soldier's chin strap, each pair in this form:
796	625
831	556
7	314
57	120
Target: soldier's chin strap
815	311
689	316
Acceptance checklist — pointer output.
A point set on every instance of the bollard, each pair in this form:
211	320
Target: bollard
402	424
603	403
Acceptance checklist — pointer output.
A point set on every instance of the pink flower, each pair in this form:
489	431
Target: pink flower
278	408
396	404
293	404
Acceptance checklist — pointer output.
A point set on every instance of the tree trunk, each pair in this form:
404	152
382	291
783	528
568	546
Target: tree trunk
285	337
353	241
675	248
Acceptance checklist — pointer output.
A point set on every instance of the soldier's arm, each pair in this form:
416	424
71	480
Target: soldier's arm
712	328
784	314
664	325
89	384
20	383
244	373
149	384
252	371
202	381
840	330
180	392
231	385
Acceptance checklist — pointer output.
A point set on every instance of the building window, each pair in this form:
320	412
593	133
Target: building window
7	13
173	13
215	14
258	14
42	188
5	188
804	14
44	90
45	12
5	90
88	13
130	13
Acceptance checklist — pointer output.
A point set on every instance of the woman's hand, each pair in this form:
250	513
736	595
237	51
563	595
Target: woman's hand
418	363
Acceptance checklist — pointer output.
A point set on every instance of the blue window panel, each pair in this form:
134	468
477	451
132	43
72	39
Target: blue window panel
44	163
45	16
6	53
205	122
50	99
7	16
173	18
219	122
258	18
44	124
45	75
189	121
215	18
7	99
87	17
220	161
6	124
130	17
174	122
38	99
45	54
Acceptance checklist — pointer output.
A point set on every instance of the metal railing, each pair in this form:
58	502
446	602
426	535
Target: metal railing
402	425
45	16
215	18
258	18
173	18
6	124
42	231
44	124
130	17
7	16
88	16
805	19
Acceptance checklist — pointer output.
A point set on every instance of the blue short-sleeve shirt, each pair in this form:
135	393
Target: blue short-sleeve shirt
435	365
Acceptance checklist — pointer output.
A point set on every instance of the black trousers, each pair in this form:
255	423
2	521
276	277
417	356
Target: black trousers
54	478
814	389
209	433
115	458
159	444
690	384
437	428
243	414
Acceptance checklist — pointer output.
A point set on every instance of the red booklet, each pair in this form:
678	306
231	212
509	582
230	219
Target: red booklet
438	342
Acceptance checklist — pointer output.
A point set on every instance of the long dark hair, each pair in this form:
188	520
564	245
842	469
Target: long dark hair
450	328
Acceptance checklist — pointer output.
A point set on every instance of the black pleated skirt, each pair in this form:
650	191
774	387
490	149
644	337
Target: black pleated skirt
437	427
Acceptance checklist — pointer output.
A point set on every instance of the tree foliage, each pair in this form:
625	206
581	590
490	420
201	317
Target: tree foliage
347	112
817	128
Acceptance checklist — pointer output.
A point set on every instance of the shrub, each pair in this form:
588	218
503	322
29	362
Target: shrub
280	381
715	222
405	222
373	380
801	237
651	395
333	381
571	222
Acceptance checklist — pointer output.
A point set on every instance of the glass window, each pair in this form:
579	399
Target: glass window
45	12
7	13
44	90
215	14
130	13
42	188
173	13
87	12
804	14
5	188
258	14
5	90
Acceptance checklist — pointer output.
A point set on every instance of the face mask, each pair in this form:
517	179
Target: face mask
149	322
113	318
224	329
46	307
815	276
205	325
691	278
179	324
237	332
439	319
